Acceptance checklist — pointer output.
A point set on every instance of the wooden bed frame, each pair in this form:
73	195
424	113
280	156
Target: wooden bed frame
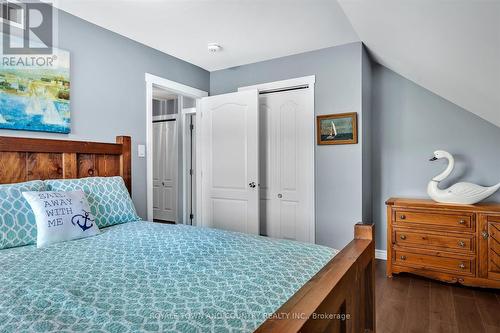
339	298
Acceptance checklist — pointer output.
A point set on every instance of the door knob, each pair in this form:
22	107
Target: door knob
403	237
402	217
461	243
252	184
462	266
462	222
163	183
280	196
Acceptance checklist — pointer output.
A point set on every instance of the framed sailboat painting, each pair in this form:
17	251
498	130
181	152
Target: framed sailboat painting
337	129
35	93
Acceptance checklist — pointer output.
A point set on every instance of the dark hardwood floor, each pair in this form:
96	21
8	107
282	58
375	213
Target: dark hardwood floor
407	303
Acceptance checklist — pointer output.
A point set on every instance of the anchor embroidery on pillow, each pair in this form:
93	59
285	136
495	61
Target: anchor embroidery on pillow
81	220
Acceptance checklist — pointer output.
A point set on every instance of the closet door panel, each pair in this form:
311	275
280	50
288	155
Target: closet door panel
230	162
169	179
289	225
265	173
165	170
157	168
288	167
228	147
288	147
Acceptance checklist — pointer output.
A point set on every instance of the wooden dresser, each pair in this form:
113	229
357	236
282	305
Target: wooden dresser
451	243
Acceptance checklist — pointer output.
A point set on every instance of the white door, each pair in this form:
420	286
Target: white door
230	161
287	164
165	170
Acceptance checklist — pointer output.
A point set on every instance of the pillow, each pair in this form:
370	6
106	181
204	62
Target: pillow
17	222
61	216
108	198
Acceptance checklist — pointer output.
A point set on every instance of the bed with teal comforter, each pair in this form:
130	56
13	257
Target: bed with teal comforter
148	277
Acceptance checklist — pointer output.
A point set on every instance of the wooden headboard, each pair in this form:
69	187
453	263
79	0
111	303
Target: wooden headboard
23	159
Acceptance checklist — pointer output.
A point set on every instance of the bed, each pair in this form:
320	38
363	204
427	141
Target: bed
143	276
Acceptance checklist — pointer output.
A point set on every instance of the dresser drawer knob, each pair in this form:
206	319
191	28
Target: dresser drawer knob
462	265
403	257
461	222
461	243
403	237
402	217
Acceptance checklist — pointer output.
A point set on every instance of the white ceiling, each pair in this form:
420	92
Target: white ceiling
451	48
248	30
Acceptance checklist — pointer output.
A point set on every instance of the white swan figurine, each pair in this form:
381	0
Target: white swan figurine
460	193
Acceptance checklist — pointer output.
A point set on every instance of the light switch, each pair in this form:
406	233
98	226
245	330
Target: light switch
141	150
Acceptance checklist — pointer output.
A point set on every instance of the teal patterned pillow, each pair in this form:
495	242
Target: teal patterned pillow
108	198
17	221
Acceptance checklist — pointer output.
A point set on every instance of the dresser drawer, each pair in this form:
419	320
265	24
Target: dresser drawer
441	220
462	243
434	261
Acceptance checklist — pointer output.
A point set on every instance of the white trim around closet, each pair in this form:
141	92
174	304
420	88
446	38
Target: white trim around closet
287	84
283	84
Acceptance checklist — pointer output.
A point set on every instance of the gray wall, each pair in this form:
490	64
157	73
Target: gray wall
108	94
338	89
409	123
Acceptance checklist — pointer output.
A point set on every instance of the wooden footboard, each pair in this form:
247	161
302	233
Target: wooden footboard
339	298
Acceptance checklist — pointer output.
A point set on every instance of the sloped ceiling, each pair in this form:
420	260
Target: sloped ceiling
248	30
451	48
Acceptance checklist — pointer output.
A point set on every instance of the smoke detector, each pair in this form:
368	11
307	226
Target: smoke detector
214	47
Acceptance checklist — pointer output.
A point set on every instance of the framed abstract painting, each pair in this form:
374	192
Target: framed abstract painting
36	98
337	129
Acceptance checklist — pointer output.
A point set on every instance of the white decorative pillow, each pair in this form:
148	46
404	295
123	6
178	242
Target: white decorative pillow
61	216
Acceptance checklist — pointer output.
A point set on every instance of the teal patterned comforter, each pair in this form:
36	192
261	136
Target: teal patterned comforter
148	277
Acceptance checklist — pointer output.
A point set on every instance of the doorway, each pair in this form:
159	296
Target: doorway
170	150
165	155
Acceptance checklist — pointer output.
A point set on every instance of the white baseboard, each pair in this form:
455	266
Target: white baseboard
381	254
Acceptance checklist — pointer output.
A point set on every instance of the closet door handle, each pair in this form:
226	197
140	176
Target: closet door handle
280	195
252	184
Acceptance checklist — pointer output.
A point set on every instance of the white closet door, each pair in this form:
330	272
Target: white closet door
158	148
287	197
165	170
230	161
